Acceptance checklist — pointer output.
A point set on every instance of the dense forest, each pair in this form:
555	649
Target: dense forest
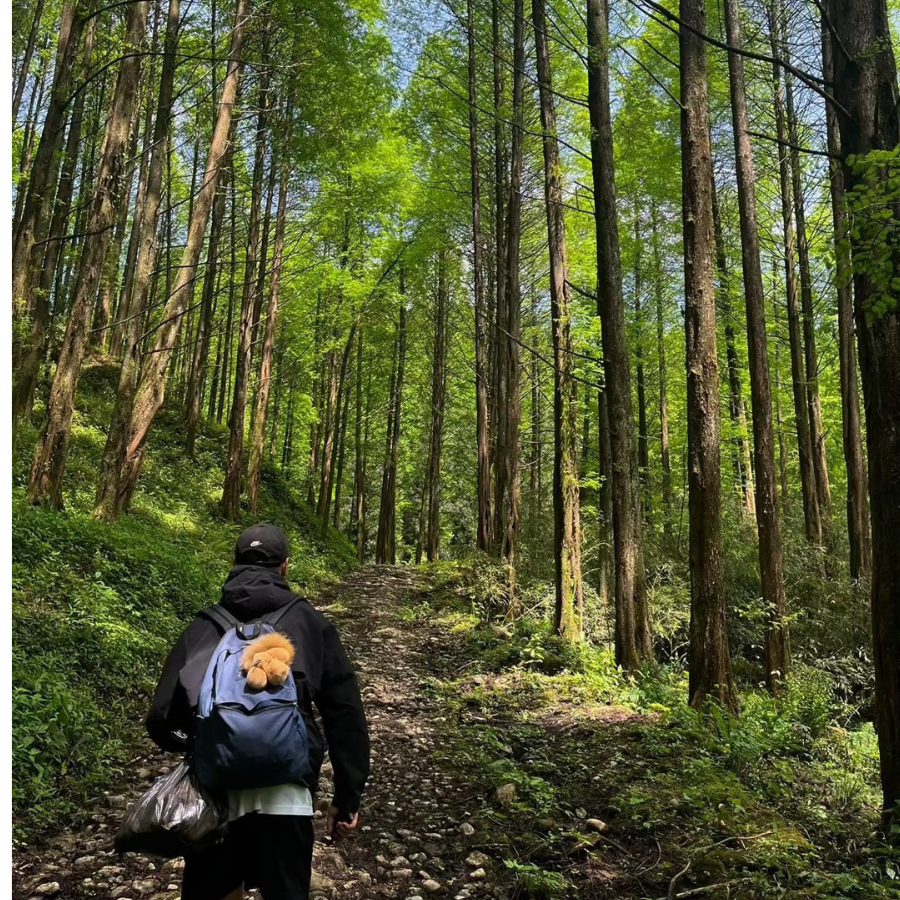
597	302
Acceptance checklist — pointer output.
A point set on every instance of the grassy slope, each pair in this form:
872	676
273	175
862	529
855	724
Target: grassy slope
96	607
781	803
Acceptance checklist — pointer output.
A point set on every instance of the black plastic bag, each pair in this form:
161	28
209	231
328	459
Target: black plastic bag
173	817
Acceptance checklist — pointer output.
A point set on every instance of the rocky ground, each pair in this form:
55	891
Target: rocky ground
416	837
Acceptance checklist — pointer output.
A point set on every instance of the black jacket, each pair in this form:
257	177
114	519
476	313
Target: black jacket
330	682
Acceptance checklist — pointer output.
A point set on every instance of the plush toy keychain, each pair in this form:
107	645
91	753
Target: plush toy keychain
267	661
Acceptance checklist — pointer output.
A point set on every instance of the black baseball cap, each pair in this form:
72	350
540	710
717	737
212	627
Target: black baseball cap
262	545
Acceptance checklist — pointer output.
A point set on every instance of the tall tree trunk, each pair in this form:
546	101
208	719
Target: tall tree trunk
32	224
661	357
735	393
108	502
566	511
339	468
865	86
261	401
150	391
811	511
385	551
816	428
26	369
45	482
616	366
857	504
482	369
771	556
508	537
26	60
709	663
432	502
229	314
234	464
643	432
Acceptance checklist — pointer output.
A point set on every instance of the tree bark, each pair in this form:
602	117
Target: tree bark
26	60
108	502
26	370
643	432
568	614
857	480
616	366
385	550
261	400
32	224
661	357
865	85
735	394
811	510
709	663
771	556
150	391
438	394
45	482
231	491
482	370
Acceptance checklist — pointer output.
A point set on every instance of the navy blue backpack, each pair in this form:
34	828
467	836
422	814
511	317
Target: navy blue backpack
246	738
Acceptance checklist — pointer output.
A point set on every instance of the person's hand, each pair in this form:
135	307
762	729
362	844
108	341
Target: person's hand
338	825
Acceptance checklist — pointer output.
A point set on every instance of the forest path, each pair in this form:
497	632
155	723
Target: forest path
415	839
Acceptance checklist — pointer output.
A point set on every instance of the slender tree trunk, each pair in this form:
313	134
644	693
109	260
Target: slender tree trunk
771	556
26	370
736	409
865	86
385	551
339	469
857	504
709	663
26	60
616	366
482	369
45	482
229	315
108	502
32	223
150	391
811	511
661	356
643	431
432	501
261	400
234	464
566	513
205	319
816	428
508	536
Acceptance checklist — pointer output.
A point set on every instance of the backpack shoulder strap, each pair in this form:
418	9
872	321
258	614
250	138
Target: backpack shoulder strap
274	617
220	617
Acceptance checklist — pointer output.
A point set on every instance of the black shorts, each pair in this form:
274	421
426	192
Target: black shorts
272	853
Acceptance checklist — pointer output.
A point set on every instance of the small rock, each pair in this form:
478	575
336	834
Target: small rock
467	829
597	825
143	886
478	875
121	892
399	862
322	805
477	859
431	885
365	879
144	774
48	889
320	882
118	801
402	874
84	862
505	794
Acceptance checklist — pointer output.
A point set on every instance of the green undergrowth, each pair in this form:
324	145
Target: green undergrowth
780	802
96	606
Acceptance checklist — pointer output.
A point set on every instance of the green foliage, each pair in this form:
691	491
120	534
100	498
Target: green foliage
536	883
875	227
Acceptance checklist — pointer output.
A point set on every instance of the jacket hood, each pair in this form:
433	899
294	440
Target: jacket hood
253	591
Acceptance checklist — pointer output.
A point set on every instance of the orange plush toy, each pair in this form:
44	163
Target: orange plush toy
267	661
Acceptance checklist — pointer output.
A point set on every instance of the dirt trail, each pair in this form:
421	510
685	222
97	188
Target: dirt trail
415	838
